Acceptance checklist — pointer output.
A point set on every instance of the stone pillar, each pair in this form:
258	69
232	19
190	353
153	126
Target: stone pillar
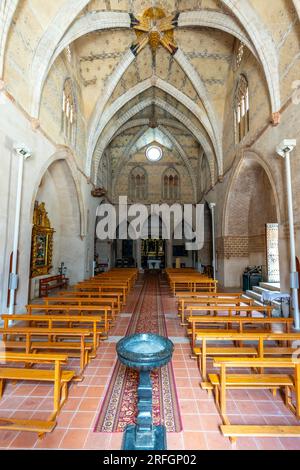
139	254
169	258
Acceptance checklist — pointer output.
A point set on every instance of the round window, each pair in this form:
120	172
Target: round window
154	153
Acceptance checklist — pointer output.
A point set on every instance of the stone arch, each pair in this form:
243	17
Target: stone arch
264	45
84	25
58	190
132	112
251	202
216	20
47	45
297	7
258	159
101	121
7	11
64	154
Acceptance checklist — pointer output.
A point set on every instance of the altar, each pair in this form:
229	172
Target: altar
154	263
153	254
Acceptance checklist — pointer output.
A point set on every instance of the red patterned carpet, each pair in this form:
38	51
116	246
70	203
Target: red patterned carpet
120	404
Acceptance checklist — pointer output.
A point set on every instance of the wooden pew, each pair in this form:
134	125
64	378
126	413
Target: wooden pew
193	284
230	309
241	322
111	302
185	304
60	379
51	320
79	348
223	381
101	289
95	295
107	282
79	310
204	351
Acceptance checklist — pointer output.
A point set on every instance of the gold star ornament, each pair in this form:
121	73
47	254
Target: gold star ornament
155	28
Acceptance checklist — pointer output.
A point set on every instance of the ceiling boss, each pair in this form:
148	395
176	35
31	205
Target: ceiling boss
155	28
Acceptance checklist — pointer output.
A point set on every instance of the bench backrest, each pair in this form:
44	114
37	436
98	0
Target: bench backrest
255	362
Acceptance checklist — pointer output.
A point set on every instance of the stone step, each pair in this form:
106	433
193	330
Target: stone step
271	287
260	290
256	295
250	294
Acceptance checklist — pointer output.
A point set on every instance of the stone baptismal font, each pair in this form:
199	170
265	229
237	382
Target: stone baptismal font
145	352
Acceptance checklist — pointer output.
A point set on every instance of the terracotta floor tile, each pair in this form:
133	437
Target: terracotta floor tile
192	423
185	393
73	439
52	440
290	443
82	420
207	406
215	441
89	404
116	441
97	441
246	443
248	407
7	437
182	382
23	390
95	392
194	441
210	422
188	406
175	441
269	443
72	404
24	440
64	418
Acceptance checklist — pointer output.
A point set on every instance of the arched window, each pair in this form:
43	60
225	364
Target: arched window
68	112
138	184
241	109
171	185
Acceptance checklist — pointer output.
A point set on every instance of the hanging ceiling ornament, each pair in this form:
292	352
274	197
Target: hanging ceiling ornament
155	28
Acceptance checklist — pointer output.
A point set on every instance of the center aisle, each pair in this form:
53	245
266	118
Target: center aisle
120	404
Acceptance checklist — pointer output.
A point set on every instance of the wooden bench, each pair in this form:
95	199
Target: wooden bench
94	295
259	350
52	282
52	320
185	304
111	302
223	381
100	289
230	309
102	311
193	284
241	322
46	340
59	378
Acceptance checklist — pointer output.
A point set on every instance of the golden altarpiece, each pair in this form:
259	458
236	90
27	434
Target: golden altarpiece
42	242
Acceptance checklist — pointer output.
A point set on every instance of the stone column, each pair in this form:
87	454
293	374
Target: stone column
169	247
139	254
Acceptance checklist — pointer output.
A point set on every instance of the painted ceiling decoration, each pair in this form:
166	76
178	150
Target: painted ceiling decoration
155	28
160	69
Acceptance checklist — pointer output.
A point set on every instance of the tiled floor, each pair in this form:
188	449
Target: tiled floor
200	417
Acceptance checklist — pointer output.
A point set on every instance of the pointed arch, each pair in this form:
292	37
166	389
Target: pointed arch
7	11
